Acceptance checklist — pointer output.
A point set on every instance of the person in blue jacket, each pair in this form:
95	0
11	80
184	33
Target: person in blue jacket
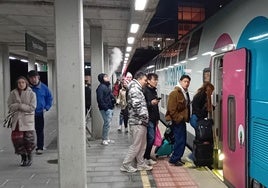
44	102
106	103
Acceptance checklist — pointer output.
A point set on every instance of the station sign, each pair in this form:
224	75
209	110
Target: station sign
35	45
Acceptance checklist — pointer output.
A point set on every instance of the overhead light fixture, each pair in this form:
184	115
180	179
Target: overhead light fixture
129	48
126	58
140	4
11	57
130	40
24	60
127	55
134	28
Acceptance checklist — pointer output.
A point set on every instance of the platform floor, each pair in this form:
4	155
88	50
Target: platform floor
103	163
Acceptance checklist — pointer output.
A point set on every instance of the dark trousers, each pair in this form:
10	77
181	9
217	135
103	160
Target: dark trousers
39	128
150	139
179	131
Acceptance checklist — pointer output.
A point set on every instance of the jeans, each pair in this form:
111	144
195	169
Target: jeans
123	117
193	121
107	118
39	129
179	131
150	139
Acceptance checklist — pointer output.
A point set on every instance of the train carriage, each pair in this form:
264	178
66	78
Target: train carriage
229	50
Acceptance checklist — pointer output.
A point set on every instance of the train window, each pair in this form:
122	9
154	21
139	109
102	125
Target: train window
206	75
231	127
183	48
194	43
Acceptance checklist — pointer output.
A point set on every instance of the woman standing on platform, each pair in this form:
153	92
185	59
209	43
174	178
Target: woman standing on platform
22	101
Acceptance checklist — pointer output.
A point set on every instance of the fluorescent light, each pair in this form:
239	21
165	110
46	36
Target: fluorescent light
126	58
11	57
129	48
130	40
24	60
134	28
127	55
140	4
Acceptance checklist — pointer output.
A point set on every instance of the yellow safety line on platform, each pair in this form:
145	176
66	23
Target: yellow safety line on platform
145	179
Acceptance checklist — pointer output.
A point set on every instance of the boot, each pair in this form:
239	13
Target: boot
29	159
23	160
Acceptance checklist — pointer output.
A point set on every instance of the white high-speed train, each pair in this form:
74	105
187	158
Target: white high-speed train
231	51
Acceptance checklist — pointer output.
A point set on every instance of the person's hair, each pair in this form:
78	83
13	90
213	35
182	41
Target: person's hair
185	76
26	81
203	88
152	75
139	75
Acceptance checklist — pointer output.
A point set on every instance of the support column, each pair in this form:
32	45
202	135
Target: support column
97	67
70	93
31	63
107	67
51	77
4	79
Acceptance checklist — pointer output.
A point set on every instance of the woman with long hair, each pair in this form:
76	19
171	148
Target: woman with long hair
22	101
201	104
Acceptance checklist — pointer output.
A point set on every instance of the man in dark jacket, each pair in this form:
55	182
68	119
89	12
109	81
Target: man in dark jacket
152	101
106	103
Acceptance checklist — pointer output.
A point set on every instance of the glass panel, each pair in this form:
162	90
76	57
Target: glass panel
231	122
194	44
183	48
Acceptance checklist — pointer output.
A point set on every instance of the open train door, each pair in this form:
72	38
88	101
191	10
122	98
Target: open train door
234	117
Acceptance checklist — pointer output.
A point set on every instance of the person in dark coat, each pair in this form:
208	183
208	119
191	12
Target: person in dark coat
152	101
106	103
201	103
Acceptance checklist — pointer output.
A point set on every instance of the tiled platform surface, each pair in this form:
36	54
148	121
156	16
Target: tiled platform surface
103	163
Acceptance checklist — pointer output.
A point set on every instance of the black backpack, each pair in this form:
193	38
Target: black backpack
203	131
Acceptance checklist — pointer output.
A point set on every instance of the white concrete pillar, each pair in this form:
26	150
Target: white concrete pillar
70	93
97	67
4	79
107	67
31	63
50	78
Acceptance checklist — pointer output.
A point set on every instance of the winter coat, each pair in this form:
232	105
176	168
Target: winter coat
24	105
137	107
199	105
177	110
105	97
150	94
123	98
44	98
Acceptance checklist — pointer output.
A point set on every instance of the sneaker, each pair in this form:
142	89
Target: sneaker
126	131
110	141
150	161
39	152
178	163
105	142
119	129
128	168
144	167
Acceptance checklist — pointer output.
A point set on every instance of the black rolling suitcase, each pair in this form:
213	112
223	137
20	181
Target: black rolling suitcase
202	153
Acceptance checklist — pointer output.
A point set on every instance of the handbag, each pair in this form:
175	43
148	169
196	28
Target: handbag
158	137
8	120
